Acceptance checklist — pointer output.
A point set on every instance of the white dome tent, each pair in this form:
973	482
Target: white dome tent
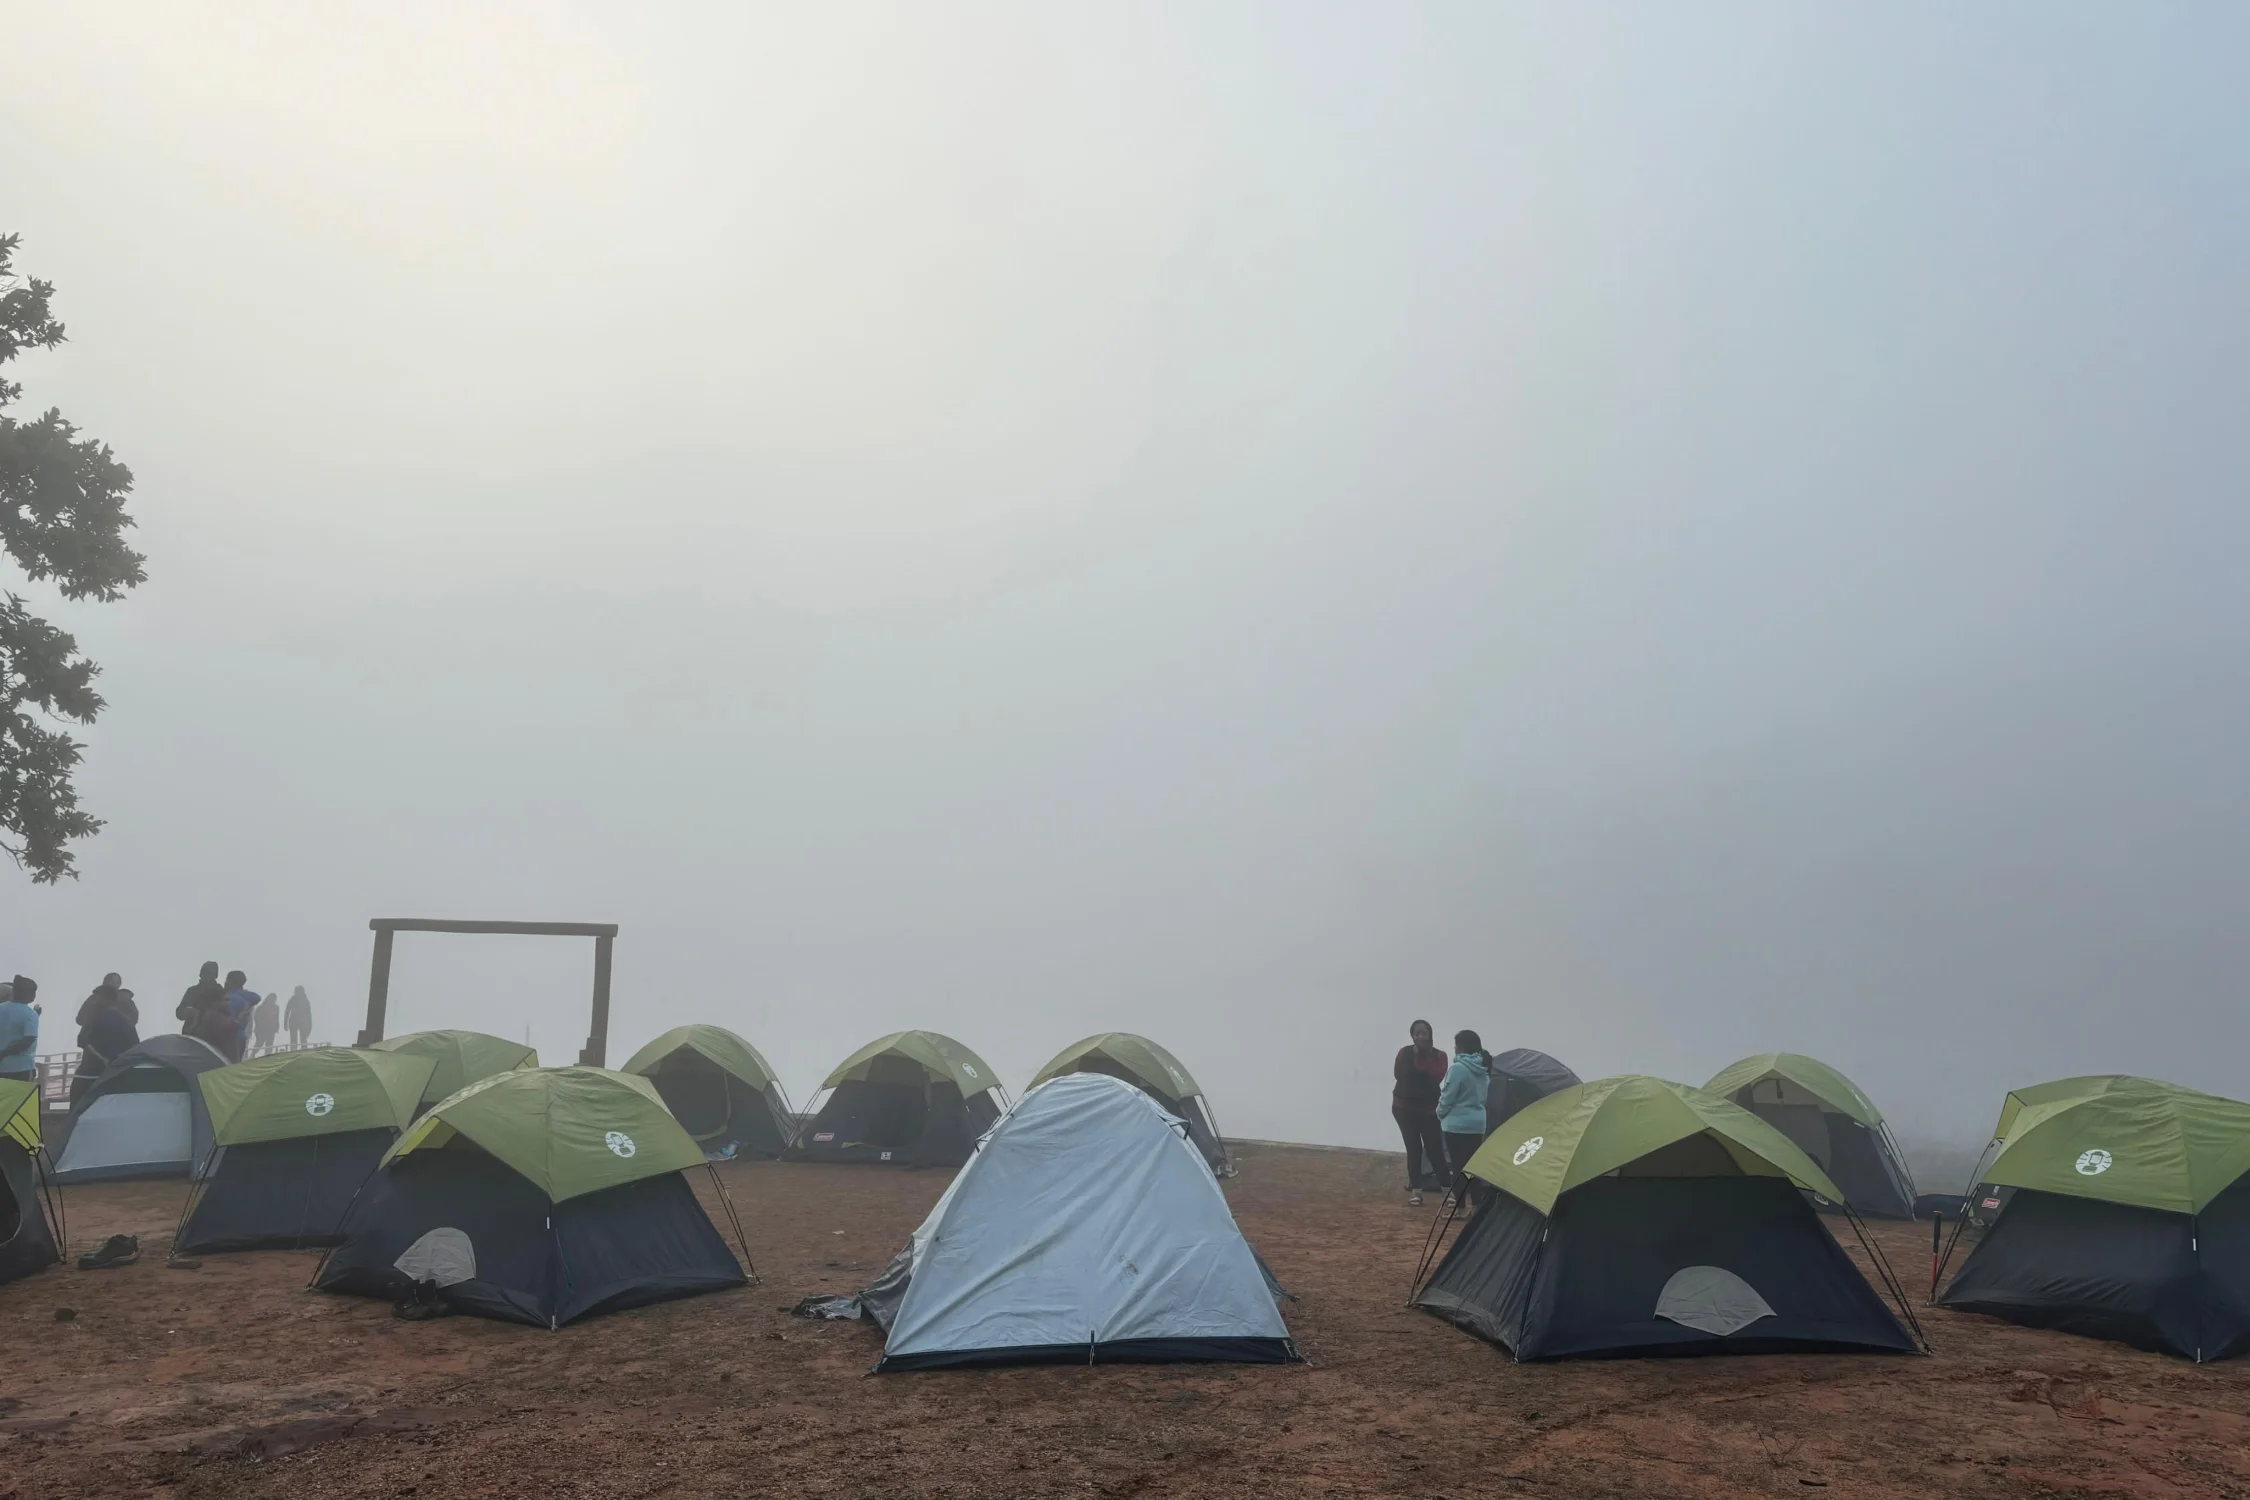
1119	1243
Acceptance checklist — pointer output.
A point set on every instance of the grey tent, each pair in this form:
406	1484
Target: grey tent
1086	1229
1520	1077
145	1116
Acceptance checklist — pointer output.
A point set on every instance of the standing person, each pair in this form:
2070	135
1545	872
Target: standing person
19	1032
92	1059
201	996
241	999
265	1021
297	1016
1415	1075
100	998
203	1013
1460	1103
107	1030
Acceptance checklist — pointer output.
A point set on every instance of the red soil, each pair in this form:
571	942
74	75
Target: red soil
233	1380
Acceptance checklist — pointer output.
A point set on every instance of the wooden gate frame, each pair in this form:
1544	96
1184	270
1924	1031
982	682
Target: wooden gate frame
379	977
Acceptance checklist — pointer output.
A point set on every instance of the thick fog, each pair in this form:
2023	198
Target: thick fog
1656	533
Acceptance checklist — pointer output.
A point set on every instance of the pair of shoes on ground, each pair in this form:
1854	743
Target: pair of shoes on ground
117	1250
422	1304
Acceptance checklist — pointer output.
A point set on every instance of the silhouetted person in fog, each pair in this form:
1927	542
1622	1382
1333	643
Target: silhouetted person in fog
242	1001
108	1028
1415	1075
201	996
265	1021
297	1016
204	1015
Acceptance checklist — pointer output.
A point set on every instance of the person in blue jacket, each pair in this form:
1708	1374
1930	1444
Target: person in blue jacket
1460	1102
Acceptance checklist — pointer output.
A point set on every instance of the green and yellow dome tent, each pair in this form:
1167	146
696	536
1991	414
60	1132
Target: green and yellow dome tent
2129	1217
538	1195
1831	1120
462	1057
720	1089
297	1133
1634	1216
913	1098
1156	1073
30	1223
1985	1198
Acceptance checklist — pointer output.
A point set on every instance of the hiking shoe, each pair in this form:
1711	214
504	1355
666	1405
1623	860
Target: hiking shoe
1414	1199
421	1304
117	1250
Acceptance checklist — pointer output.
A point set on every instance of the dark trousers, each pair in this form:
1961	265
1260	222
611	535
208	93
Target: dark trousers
1458	1150
1418	1128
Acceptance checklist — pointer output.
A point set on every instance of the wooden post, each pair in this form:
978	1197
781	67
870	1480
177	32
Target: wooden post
597	1042
378	988
603	934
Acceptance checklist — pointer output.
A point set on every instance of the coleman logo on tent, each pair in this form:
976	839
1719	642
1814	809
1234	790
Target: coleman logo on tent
320	1104
619	1143
2093	1163
1529	1149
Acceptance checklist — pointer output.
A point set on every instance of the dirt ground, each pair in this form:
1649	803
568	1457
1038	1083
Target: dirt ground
233	1380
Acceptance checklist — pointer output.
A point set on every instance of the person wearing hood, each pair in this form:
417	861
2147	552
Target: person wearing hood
1460	1103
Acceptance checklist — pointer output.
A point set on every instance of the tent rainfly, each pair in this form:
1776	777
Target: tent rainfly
540	1196
1521	1078
29	1239
913	1098
1831	1120
144	1117
462	1058
297	1133
720	1089
1639	1217
2129	1218
1156	1073
1087	1229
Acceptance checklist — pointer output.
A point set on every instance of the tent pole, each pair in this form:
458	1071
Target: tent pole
740	1238
1431	1240
194	1196
1891	1283
52	1194
1960	1224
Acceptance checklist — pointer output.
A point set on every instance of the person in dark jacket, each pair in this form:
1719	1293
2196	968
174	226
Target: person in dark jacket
1416	1074
204	1015
108	1028
201	996
100	998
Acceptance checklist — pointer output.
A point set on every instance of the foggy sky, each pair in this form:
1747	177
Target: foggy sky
1654	532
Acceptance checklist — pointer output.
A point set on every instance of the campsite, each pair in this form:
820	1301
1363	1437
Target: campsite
234	1380
1021	751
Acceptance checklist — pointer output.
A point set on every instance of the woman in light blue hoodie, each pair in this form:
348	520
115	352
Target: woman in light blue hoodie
1460	1101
